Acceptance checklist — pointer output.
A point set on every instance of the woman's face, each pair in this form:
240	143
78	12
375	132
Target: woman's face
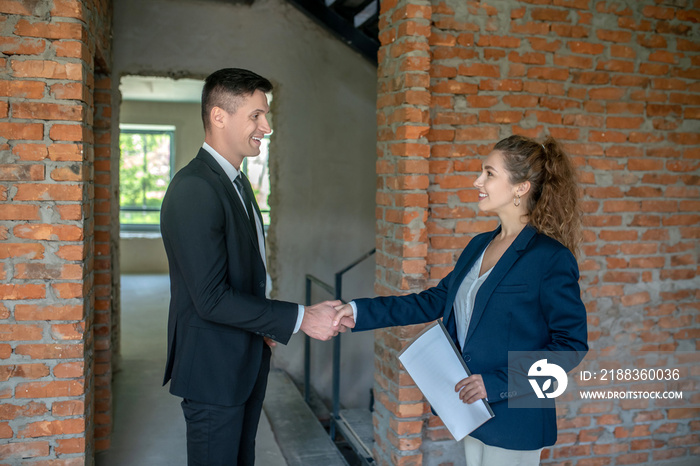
496	193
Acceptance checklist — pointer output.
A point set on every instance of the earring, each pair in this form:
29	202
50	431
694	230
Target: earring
516	200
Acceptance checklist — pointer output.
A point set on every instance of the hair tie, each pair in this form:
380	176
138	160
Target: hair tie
543	147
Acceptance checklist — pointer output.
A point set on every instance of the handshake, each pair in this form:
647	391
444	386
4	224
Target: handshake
325	320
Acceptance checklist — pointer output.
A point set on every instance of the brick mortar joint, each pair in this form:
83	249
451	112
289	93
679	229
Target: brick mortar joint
400	4
47	57
415	37
392	399
393	388
403	90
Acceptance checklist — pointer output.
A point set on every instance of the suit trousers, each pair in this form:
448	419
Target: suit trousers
479	454
224	435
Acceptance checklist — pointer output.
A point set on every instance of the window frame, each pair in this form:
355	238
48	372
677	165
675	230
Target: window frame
145	129
266	212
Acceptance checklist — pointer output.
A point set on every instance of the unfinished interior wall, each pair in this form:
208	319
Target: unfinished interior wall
144	252
322	150
56	249
617	83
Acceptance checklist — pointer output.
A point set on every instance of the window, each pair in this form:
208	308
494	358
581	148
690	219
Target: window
145	164
256	169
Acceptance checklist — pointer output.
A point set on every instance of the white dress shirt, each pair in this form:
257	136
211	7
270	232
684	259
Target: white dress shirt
232	174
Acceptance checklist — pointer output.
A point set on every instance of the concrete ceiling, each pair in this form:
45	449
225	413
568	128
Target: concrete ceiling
356	22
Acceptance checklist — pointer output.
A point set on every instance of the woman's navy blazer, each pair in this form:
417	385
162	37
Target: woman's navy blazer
530	301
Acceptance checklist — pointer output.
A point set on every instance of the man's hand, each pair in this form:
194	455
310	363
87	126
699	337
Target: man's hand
270	342
318	321
344	317
471	389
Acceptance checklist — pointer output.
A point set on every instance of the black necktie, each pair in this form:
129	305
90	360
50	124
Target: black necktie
247	201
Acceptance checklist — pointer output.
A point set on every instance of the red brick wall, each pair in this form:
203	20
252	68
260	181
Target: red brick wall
617	83
55	271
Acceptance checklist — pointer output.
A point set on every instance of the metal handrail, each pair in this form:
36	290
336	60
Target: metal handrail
310	279
337	292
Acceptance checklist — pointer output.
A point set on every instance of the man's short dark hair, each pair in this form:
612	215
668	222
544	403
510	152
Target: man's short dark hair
225	87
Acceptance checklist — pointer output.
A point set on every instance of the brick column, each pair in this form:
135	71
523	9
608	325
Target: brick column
402	212
106	283
47	265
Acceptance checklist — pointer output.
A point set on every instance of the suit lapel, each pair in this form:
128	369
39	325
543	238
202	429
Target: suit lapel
234	199
499	271
462	268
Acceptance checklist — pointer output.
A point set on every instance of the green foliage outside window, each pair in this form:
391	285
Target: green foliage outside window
144	174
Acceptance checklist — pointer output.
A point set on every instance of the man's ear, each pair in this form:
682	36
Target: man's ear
217	117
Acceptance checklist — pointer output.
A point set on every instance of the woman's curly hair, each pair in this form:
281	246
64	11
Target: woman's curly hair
553	204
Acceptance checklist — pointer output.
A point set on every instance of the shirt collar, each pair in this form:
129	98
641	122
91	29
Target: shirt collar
230	170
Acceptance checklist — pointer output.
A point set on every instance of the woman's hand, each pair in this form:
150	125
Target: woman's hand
471	389
344	317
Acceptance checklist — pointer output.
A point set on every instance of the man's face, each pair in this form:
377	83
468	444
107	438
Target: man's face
245	128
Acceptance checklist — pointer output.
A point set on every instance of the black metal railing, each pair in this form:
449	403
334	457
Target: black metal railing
337	292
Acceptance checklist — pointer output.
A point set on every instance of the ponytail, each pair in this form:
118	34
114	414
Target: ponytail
553	204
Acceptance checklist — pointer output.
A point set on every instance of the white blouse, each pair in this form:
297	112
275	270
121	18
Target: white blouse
466	295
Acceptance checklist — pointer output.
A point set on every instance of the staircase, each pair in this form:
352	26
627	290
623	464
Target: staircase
299	434
296	419
299	429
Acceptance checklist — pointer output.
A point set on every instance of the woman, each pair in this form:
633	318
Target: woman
512	289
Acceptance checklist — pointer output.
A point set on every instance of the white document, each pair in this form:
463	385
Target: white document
434	364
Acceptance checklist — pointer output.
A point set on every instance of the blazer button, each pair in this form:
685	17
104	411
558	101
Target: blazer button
467	358
261	284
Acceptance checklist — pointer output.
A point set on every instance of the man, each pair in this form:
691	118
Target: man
219	316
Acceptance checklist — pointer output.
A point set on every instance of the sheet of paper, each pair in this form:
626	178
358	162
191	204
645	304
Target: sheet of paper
436	367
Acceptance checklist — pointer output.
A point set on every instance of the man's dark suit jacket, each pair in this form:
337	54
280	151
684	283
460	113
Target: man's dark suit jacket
530	301
218	310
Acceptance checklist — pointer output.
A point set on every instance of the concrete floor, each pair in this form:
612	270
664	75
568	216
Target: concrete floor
149	428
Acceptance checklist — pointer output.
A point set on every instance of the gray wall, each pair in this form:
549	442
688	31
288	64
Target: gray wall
144	253
322	154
